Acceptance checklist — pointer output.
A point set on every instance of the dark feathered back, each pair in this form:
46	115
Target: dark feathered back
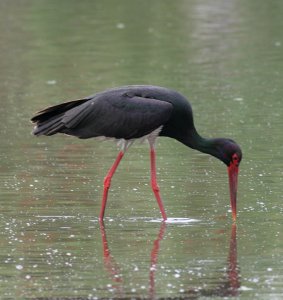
122	113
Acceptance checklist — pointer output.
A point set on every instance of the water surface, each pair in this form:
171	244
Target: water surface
226	57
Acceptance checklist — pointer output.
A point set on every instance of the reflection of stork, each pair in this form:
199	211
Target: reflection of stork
228	285
113	268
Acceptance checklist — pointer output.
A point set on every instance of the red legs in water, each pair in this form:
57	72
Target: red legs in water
107	183
154	185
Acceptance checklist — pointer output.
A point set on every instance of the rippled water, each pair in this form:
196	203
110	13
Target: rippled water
226	57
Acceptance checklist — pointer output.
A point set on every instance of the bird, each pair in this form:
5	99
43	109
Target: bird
138	112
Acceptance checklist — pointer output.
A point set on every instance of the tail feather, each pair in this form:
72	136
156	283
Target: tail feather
52	111
48	120
49	127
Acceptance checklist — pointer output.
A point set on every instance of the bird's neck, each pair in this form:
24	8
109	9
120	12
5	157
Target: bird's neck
197	142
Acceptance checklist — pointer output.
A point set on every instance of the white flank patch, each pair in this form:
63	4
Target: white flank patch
124	145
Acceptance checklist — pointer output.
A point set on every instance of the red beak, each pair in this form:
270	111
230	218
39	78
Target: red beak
233	171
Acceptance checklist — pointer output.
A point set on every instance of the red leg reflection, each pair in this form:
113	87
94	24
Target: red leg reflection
110	263
153	260
113	268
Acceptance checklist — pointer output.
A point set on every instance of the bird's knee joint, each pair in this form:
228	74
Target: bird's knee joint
155	188
107	182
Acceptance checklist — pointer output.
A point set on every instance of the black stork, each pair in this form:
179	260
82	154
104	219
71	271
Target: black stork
137	112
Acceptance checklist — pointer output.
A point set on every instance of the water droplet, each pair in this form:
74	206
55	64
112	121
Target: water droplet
19	267
120	26
51	82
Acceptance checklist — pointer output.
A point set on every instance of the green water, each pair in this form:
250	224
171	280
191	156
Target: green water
227	58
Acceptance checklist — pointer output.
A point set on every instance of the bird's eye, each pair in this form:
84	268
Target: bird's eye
235	159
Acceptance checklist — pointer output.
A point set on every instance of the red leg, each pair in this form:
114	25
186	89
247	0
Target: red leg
107	182
154	185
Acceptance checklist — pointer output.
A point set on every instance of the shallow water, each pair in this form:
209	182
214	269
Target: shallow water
226	57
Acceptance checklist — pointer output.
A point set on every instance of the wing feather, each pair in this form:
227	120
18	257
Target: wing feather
117	116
